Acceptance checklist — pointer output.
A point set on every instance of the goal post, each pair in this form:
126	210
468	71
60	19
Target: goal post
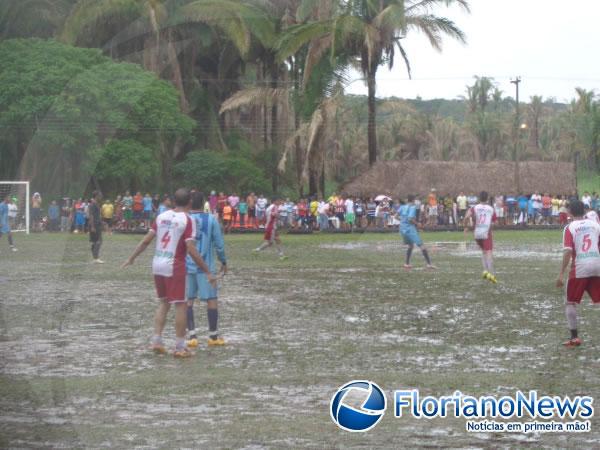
18	215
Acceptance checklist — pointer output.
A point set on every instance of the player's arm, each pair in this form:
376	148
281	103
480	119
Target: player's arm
140	248
193	252
220	247
565	264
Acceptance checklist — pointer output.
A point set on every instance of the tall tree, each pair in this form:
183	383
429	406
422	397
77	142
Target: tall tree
371	31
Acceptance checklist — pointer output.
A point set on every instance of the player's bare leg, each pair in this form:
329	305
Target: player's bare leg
262	246
409	251
571	313
160	319
181	350
279	248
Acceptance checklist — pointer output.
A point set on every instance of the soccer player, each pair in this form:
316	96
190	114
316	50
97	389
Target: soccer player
209	242
271	234
95	228
483	216
175	232
408	230
4	222
581	250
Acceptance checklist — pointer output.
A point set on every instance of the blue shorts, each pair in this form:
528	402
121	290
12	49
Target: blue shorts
411	236
197	286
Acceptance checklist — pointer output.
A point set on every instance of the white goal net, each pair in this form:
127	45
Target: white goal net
18	209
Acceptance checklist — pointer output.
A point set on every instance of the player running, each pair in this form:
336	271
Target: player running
408	229
271	233
484	217
5	222
209	242
581	249
175	232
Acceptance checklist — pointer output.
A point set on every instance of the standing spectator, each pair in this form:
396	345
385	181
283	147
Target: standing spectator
555	208
284	214
537	207
371	212
212	201
53	216
359	210
472	200
449	210
432	211
323	212
118	215
340	210
595	204
511	205
563	212
461	201
148	206
586	200
523	208
313	208
227	214
350	216
243	211
95	226
261	208
155	205
65	214
234	202
499	209
36	213
108	211
127	209
79	220
138	208
221	202
251	201
531	210
547	209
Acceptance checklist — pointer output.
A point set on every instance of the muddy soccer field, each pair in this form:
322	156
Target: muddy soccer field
76	370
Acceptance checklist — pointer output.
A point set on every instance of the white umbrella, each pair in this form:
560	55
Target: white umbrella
382	197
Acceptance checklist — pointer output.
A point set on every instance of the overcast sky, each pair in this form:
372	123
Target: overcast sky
551	44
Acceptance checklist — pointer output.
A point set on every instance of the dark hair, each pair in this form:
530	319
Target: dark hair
197	200
411	198
483	196
182	197
95	194
576	208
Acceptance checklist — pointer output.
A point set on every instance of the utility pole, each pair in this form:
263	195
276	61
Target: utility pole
517	155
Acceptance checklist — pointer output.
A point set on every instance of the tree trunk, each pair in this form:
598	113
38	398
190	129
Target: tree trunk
371	130
274	129
176	73
298	149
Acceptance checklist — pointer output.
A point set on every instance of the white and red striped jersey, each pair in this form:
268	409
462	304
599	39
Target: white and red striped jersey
483	216
593	216
272	216
582	237
172	230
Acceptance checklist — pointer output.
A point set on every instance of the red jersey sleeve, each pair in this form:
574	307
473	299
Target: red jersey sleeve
568	239
190	230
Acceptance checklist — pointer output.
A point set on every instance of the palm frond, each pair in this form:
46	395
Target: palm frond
417	6
434	27
317	48
298	36
255	97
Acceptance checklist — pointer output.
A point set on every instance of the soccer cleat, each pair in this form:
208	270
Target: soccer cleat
407	266
431	267
182	353
493	278
216	342
485	275
14	249
98	261
283	258
159	349
575	342
192	342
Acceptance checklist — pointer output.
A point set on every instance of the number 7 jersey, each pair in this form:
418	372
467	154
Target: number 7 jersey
172	230
583	237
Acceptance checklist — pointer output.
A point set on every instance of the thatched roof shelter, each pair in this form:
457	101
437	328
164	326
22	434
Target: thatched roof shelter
401	178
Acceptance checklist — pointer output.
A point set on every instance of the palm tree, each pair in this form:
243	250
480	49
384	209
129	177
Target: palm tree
371	31
32	18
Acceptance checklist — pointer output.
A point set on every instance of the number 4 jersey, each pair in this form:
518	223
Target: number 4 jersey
172	230
582	237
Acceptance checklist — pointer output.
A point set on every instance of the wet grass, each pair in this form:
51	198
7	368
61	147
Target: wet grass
76	371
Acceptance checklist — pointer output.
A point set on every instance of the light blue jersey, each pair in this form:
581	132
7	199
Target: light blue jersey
4	223
407	213
147	201
209	242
